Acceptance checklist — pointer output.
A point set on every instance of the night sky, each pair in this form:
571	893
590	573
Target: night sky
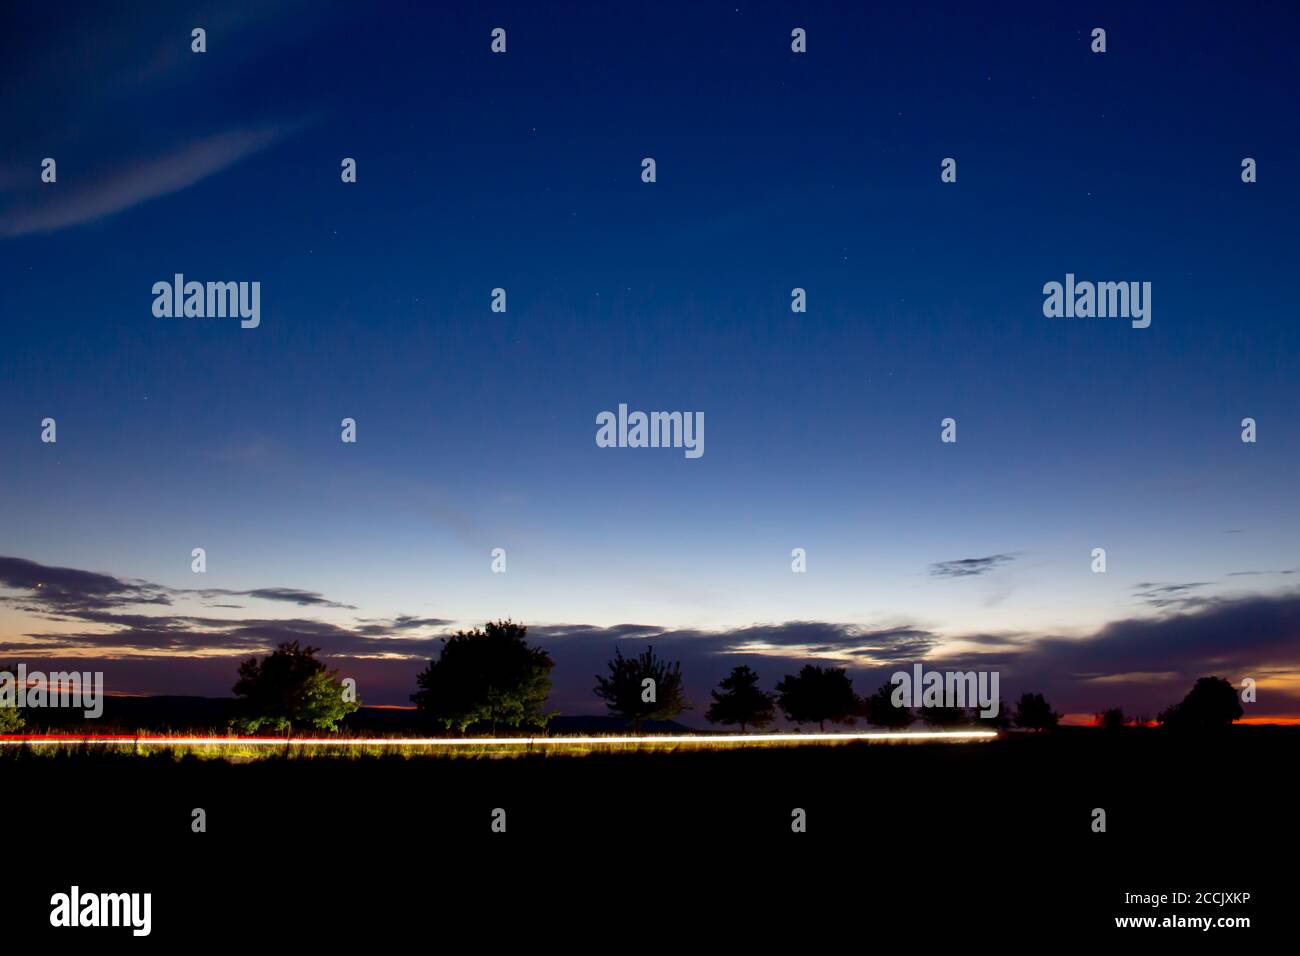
476	429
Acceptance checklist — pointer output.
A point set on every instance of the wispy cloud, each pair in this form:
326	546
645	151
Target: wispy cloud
1170	595
70	590
72	202
969	567
287	595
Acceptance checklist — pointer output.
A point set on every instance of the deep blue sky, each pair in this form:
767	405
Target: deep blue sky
775	170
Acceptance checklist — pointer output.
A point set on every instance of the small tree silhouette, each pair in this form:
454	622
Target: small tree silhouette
1002	720
1034	713
818	694
946	716
626	693
879	709
11	718
1211	704
1111	719
738	700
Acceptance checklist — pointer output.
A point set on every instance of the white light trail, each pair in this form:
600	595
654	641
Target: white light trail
659	739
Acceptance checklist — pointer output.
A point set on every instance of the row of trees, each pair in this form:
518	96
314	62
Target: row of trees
286	689
821	695
491	678
1212	702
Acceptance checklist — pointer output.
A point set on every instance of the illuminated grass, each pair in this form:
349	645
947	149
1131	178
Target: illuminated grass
222	746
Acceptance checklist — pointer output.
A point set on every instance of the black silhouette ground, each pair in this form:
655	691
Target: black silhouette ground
938	843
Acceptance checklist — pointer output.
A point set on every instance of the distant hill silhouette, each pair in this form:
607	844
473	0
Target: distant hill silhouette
128	714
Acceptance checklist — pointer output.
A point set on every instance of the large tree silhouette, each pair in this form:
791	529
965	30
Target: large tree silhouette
291	687
490	676
738	700
818	694
644	687
1211	704
1034	713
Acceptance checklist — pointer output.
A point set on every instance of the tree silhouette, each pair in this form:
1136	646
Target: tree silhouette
739	701
947	716
290	686
490	676
1111	719
1001	720
11	718
818	694
626	693
1034	713
1211	704
880	711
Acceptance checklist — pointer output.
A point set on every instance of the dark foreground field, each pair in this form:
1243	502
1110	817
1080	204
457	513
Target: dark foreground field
966	844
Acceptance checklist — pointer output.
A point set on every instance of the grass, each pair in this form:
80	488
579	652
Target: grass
223	747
